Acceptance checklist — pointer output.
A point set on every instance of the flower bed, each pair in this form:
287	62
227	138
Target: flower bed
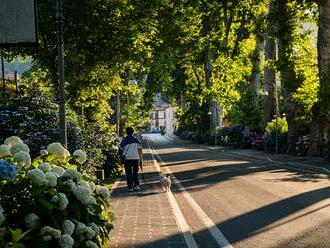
47	201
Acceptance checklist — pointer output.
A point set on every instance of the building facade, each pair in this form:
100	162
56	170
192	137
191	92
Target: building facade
162	117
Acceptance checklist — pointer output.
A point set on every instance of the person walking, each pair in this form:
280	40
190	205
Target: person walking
131	156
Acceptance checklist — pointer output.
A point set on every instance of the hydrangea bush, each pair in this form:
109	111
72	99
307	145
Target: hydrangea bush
47	201
35	120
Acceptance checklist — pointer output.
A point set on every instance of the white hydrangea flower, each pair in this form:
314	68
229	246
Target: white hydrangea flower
66	153
73	174
92	200
66	241
4	151
12	141
70	184
23	158
92	185
51	179
68	227
47	237
37	176
58	170
89	233
91	244
58	149
61	200
49	233
31	221
85	184
84	232
103	191
43	152
2	216
81	156
19	147
45	167
82	194
95	228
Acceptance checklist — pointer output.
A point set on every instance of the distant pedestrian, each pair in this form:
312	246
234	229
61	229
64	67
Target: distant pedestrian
131	156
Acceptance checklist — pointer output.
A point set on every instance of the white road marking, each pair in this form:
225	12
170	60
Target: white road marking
284	164
308	168
182	223
218	236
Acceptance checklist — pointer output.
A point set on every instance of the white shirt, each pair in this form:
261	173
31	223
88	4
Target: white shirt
131	151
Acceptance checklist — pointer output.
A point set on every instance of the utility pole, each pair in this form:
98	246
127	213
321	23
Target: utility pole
276	117
16	83
60	65
3	76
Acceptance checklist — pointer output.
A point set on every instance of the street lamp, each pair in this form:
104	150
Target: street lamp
3	76
210	115
60	66
265	93
276	115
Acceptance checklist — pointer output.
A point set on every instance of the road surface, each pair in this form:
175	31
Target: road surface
252	203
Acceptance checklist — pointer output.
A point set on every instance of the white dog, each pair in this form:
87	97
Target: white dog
165	182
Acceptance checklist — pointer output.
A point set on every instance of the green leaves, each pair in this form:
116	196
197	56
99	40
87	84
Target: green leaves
17	235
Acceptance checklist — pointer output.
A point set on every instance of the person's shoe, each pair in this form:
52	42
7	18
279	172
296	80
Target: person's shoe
136	188
130	190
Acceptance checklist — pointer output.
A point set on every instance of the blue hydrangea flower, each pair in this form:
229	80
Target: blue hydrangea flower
7	171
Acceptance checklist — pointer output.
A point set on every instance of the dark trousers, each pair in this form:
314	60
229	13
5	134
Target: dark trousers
131	170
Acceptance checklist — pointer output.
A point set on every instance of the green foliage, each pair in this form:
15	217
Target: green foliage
231	136
249	112
195	51
195	119
282	126
37	203
102	149
35	120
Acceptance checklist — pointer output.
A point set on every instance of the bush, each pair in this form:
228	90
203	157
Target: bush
102	149
35	120
48	202
282	135
302	146
231	136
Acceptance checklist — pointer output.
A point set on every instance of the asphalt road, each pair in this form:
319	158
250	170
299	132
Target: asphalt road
253	203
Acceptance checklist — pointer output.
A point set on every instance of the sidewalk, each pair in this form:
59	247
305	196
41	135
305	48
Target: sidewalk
145	218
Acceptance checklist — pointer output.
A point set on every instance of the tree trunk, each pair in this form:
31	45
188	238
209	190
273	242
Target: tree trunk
213	105
255	74
270	57
319	134
288	75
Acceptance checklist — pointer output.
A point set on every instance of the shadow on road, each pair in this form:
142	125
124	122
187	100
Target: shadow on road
252	222
257	221
218	169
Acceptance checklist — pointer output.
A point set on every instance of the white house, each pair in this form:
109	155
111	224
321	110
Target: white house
163	116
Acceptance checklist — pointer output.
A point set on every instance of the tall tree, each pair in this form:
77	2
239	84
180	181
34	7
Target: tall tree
287	23
270	58
321	110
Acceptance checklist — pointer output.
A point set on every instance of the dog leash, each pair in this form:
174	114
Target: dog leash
142	174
